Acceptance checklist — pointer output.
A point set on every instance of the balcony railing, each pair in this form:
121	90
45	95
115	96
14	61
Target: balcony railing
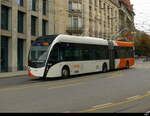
74	30
75	10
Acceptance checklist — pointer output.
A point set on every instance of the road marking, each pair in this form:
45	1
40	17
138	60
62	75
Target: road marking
67	112
134	97
45	84
32	86
116	76
115	104
148	92
41	85
101	105
53	83
63	86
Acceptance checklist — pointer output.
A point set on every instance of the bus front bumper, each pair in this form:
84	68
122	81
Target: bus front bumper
36	72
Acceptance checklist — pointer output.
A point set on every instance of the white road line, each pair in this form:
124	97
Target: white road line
148	92
134	97
63	86
101	105
67	112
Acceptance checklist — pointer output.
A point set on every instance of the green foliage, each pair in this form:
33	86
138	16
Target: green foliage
142	44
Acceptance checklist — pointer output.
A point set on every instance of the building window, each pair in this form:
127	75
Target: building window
33	5
33	25
44	27
74	6
70	5
44	7
4	54
20	54
75	22
20	22
20	2
4	17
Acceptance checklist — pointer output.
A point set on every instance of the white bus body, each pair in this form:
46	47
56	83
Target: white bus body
75	67
66	55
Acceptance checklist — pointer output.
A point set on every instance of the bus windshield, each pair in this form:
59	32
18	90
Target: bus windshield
39	51
38	55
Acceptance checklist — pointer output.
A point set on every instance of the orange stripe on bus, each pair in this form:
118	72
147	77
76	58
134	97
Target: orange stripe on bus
30	74
77	66
123	62
126	44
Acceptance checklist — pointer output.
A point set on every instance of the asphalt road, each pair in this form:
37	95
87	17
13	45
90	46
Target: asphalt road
119	91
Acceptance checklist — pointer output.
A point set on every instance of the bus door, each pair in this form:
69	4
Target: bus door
111	55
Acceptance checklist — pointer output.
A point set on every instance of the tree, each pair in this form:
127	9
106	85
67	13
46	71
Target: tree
142	44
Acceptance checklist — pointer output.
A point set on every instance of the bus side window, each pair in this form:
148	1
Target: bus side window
65	52
85	54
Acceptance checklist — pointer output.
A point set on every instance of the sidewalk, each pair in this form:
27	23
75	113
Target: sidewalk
13	74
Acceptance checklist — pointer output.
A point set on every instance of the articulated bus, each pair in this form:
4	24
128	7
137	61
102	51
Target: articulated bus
66	55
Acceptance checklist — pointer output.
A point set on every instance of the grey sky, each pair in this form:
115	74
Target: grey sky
142	11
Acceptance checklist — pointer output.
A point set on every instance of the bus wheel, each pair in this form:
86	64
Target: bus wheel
104	68
65	72
127	65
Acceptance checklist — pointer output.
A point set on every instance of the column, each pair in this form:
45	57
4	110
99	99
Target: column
12	61
28	30
106	19
86	17
103	19
93	21
40	5
0	37
51	16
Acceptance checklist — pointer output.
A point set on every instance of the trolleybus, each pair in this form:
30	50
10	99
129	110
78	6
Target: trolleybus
67	55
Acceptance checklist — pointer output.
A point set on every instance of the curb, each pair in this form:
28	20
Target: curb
13	74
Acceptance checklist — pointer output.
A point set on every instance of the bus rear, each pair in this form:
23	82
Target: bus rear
124	53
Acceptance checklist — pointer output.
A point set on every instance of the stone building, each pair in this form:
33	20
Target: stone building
126	14
96	18
103	18
21	22
126	19
24	20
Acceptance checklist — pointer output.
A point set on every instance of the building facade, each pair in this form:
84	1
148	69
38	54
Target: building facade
95	18
21	22
24	20
102	19
126	18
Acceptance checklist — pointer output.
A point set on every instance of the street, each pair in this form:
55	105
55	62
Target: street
119	91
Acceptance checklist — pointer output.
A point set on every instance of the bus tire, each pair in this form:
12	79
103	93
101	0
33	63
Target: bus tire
104	68
127	65
65	72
